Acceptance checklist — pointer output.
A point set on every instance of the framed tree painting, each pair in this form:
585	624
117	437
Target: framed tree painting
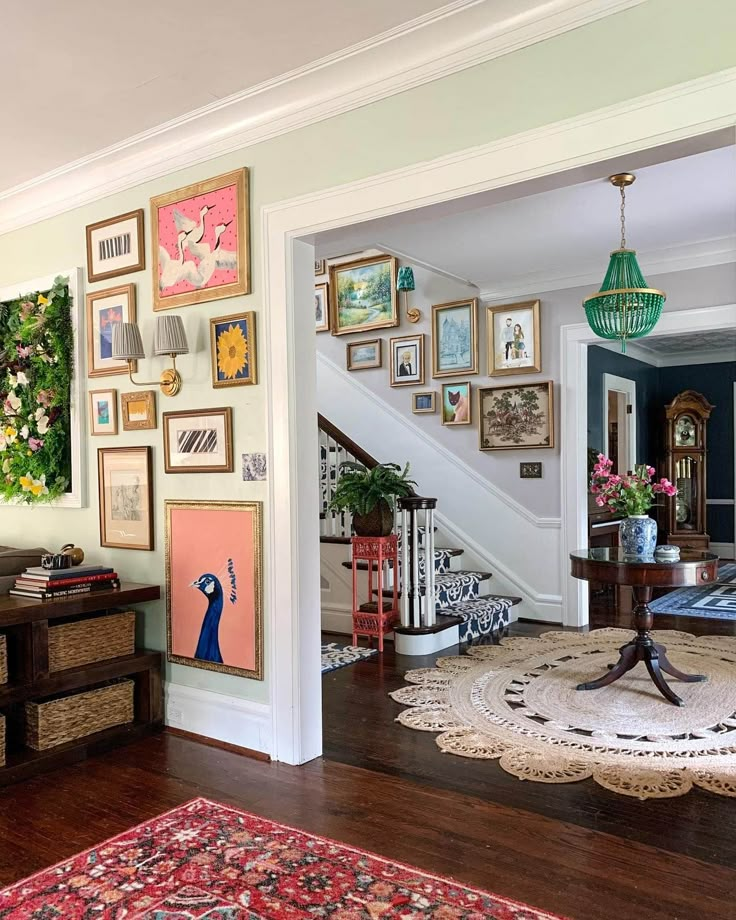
125	485
514	339
201	246
517	417
407	360
233	346
214	586
363	295
455	338
105	309
116	246
198	441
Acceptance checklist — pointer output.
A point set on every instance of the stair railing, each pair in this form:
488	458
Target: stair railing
417	608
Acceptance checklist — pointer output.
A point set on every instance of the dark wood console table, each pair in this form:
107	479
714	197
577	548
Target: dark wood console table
25	623
610	565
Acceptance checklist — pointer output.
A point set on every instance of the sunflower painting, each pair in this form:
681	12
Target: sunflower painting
233	340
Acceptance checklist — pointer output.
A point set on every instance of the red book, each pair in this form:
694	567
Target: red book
65	582
24	591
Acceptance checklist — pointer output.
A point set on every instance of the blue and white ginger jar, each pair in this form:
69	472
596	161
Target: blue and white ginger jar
638	535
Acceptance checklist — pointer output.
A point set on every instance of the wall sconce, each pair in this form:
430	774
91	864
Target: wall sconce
169	339
405	283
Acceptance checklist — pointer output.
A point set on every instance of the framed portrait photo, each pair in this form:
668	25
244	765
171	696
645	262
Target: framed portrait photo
321	308
138	410
115	246
456	405
198	441
517	417
514	339
363	295
201	245
214	586
103	412
104	310
424	403
455	338
233	346
364	355
407	360
125	484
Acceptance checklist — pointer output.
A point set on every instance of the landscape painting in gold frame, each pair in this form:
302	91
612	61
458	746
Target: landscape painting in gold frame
363	295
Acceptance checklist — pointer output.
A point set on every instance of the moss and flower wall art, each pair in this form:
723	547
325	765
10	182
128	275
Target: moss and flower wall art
36	367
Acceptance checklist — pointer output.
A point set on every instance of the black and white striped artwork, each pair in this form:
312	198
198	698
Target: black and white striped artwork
197	441
112	247
115	246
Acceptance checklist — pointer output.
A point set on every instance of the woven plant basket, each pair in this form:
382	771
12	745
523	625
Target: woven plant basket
3	660
2	740
81	642
67	718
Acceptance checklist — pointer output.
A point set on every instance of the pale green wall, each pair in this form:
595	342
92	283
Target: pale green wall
655	45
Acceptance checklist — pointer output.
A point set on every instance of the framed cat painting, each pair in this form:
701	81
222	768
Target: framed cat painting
456	403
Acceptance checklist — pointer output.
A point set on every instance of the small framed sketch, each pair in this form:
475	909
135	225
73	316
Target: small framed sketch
138	410
321	308
320	266
455	338
115	246
456	409
103	411
363	295
363	355
514	339
125	484
233	345
424	403
104	309
531	470
517	417
407	360
198	441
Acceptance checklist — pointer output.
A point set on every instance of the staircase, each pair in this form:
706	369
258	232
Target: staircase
441	604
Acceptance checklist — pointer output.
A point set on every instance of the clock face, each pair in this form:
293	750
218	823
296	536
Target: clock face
685	431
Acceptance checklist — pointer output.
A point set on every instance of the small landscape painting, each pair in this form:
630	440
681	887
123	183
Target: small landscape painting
366	354
514	342
138	410
233	345
423	403
454	338
456	408
363	295
516	417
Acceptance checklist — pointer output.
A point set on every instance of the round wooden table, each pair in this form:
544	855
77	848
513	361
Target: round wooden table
609	565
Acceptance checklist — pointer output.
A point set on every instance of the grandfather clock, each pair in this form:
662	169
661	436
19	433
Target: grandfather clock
687	417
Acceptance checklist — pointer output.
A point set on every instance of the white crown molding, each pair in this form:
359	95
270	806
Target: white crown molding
457	36
701	254
640	352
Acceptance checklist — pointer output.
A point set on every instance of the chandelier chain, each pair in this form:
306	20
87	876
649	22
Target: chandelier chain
623	217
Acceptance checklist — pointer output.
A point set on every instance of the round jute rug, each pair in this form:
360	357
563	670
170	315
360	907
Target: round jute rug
517	702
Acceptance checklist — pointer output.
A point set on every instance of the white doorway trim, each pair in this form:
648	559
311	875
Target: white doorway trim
628	388
292	595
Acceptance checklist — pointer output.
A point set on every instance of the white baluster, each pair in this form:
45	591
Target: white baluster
404	571
430	608
416	594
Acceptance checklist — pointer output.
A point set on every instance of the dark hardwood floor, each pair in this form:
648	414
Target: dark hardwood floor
575	849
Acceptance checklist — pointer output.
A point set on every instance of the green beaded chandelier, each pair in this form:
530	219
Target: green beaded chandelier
624	308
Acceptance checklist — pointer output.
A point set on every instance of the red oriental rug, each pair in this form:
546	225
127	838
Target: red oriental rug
205	860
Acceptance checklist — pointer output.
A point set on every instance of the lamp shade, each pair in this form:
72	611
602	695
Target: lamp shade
170	338
405	280
127	344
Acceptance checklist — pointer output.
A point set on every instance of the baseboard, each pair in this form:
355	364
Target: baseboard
229	719
724	550
337	618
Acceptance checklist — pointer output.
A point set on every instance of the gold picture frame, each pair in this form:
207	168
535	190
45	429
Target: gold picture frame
455	351
370	273
459	413
194	550
409	371
322	307
196	441
125	500
236	363
103	413
514	339
138	410
513	430
430	397
356	365
124	249
168	223
104	309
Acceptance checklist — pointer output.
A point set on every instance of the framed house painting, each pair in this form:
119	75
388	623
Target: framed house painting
517	417
125	484
514	340
365	354
233	346
138	410
103	412
198	441
201	246
424	403
115	246
455	338
456	407
214	586
363	295
104	309
407	360
321	308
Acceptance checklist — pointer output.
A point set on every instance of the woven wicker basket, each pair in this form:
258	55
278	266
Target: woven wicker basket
81	642
3	660
67	718
2	740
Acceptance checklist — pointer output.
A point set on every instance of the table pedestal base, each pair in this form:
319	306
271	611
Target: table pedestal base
644	648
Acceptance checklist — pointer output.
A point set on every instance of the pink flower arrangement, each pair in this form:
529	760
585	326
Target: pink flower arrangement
634	493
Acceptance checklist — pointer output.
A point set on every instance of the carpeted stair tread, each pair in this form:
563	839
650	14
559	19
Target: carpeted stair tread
440	553
480	606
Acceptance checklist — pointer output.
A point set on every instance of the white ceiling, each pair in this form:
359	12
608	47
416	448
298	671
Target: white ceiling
92	75
679	345
556	238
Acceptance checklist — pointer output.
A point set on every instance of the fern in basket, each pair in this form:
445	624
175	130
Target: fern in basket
369	495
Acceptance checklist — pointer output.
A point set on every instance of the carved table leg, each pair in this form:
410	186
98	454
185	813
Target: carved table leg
628	660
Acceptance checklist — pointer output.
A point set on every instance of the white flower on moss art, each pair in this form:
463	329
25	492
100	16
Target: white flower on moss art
6	465
42	421
22	379
11	434
12	381
12	402
24	432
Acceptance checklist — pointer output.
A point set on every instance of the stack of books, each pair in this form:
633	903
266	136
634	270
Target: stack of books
46	584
